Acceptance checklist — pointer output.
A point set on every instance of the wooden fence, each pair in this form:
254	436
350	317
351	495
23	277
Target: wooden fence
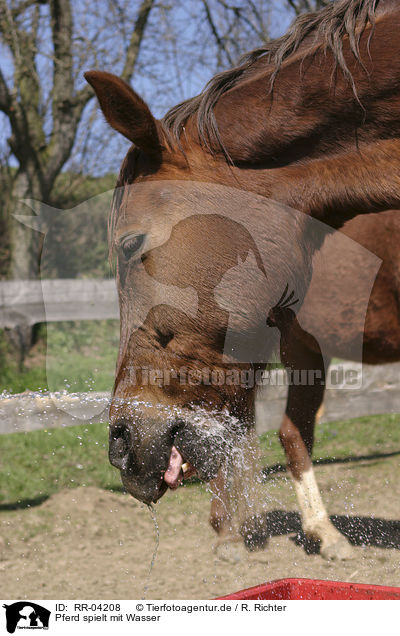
33	301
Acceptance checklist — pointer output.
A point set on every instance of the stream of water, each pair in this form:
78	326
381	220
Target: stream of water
157	543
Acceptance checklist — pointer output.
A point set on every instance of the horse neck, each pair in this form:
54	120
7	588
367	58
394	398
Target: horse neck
331	189
319	142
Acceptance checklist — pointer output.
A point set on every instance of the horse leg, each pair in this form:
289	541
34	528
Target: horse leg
228	545
297	437
221	509
237	501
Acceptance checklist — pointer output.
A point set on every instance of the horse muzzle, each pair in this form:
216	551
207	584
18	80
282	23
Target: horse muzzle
150	455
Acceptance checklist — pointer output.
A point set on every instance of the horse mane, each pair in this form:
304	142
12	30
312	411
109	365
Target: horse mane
327	27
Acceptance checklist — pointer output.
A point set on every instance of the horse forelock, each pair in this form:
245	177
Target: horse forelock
327	28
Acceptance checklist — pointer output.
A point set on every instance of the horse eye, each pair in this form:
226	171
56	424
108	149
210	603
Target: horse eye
131	245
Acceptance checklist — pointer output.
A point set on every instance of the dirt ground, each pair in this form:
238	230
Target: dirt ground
87	543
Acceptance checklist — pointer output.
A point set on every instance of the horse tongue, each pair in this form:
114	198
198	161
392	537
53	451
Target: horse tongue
173	476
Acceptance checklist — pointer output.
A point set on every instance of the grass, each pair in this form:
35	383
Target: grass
37	464
71	355
81	355
14	381
347	438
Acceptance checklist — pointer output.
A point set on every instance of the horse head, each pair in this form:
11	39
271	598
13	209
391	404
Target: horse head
169	230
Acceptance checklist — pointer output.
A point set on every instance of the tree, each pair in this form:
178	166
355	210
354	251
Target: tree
44	112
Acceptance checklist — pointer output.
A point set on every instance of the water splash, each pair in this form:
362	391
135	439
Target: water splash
153	559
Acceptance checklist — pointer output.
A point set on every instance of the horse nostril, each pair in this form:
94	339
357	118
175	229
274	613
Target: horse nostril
119	444
164	338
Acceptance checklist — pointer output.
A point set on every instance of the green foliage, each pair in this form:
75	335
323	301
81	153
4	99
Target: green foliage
81	355
72	249
76	246
71	189
73	356
89	255
12	379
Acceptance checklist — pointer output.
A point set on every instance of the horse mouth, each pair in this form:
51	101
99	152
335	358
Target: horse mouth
149	488
197	446
177	470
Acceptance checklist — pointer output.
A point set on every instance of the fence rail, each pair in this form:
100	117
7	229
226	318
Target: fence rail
379	393
32	301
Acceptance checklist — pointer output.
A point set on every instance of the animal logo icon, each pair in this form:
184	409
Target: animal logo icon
26	615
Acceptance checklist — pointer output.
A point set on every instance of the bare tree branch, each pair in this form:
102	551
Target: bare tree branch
61	26
136	39
215	33
65	115
294	6
21	8
8	29
5	98
84	95
301	6
46	103
262	30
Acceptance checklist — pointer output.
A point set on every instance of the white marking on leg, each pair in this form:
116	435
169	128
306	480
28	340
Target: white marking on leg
313	512
315	519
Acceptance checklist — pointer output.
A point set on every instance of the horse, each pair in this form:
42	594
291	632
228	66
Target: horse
303	133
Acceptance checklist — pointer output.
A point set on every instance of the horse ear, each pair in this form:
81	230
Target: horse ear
125	111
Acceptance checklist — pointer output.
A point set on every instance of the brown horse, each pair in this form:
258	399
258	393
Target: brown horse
310	121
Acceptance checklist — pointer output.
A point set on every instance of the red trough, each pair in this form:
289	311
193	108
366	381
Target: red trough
312	589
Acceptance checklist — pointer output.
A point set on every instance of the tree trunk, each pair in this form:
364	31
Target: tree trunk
25	243
26	247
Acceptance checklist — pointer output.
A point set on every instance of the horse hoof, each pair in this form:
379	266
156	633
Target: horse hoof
255	533
340	550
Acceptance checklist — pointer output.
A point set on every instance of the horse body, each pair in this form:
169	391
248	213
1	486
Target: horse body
311	121
380	332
